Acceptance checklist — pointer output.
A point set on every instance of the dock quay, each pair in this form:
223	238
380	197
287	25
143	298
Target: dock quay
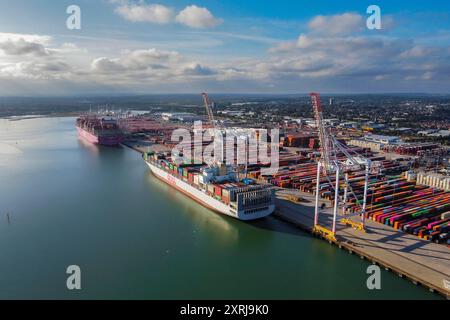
422	262
142	147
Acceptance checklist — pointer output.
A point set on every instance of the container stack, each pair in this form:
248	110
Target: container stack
419	210
434	180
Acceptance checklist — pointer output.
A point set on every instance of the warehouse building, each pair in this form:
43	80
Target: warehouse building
375	142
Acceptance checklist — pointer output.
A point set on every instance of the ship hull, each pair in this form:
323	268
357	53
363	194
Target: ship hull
104	141
203	198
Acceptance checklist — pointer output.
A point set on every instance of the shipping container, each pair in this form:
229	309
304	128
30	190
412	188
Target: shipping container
196	179
218	190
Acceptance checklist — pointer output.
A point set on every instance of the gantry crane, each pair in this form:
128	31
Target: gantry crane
336	159
212	122
216	127
209	111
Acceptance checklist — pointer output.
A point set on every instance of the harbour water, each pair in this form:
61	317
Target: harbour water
72	203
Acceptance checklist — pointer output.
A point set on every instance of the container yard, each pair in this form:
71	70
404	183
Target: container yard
403	205
393	200
374	200
434	180
415	149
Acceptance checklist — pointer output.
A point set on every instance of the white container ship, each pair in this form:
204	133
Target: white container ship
215	187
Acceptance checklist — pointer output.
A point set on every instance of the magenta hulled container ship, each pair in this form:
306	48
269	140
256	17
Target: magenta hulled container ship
99	129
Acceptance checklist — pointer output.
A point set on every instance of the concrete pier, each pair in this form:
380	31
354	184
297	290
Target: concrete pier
422	262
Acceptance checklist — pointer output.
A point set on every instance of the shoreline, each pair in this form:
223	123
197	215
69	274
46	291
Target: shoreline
38	116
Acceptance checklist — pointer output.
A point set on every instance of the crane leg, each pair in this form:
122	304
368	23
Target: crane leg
336	200
316	212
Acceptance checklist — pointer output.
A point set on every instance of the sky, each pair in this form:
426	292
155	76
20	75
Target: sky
232	46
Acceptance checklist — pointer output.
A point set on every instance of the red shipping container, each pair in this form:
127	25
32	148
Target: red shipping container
218	190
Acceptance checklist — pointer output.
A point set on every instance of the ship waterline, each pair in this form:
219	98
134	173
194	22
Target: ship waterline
95	139
208	201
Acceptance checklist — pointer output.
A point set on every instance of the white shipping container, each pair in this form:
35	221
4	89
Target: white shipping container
447	185
420	179
445	215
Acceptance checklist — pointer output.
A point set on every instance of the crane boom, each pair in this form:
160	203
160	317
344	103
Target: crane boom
323	134
209	111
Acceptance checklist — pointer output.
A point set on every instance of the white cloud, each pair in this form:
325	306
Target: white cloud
42	39
427	75
191	16
46	70
22	47
152	13
137	61
16	44
105	65
150	65
344	61
196	69
358	59
142	58
29	56
197	17
417	52
341	24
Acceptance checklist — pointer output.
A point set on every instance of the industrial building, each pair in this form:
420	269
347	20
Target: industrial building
181	116
375	142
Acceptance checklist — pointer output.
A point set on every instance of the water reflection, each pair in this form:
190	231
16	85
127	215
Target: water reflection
91	148
9	148
221	227
38	134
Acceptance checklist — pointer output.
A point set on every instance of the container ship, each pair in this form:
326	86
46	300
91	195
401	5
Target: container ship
215	187
99	129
